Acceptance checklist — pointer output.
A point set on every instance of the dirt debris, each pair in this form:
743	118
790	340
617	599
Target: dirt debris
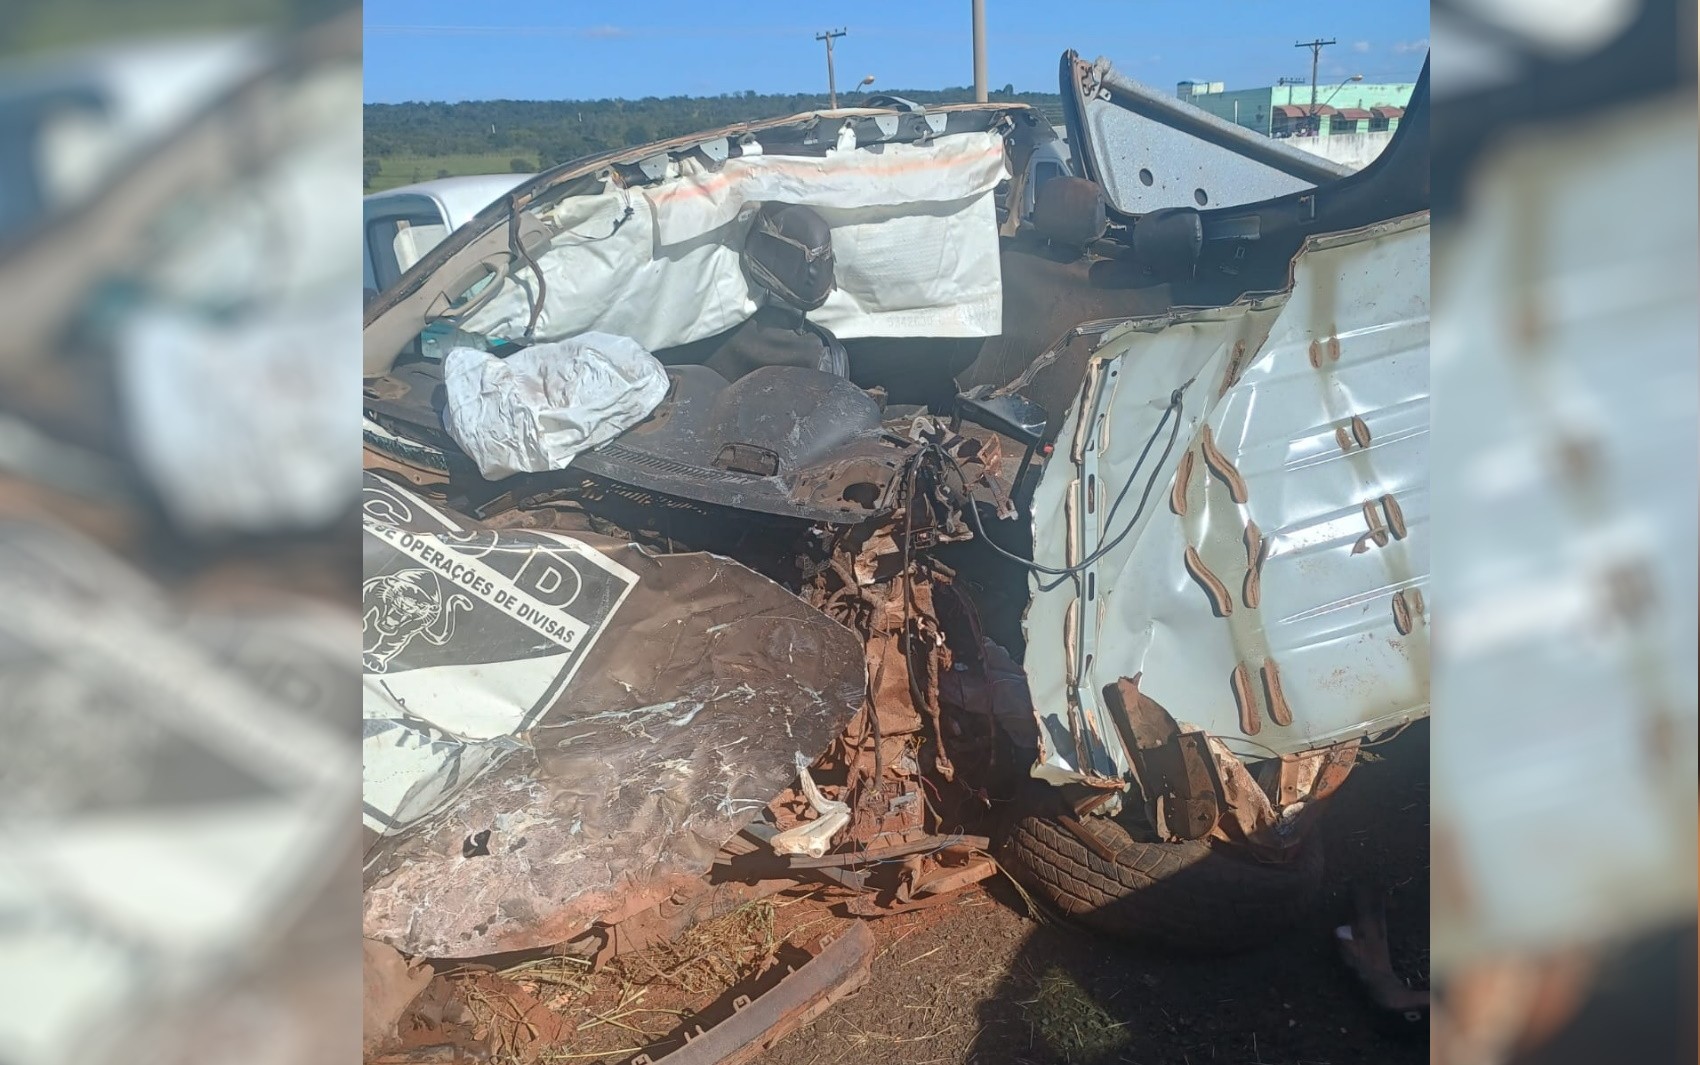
562	1008
980	979
979	982
1070	1021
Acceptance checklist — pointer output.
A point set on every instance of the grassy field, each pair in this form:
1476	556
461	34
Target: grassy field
405	169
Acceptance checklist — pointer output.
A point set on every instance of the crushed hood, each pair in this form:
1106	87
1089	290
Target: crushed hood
571	727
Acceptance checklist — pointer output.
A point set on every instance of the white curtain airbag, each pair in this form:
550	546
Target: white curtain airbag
914	233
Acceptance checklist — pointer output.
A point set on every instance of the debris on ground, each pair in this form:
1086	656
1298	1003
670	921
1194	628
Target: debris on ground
1071	1022
559	1007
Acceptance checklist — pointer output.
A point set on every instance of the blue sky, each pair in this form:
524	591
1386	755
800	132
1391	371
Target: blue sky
438	50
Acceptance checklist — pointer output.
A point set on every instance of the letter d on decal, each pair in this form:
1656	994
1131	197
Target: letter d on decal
549	579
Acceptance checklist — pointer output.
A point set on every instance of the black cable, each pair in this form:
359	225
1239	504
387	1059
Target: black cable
1144	498
625	216
922	703
1174	408
908	475
910	470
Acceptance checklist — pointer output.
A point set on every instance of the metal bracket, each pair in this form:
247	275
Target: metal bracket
1173	768
839	968
1092	78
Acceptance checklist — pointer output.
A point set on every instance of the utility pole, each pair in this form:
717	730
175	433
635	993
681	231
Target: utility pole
831	80
1316	48
980	50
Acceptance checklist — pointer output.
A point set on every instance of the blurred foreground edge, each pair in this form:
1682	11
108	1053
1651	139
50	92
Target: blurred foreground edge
177	681
1564	417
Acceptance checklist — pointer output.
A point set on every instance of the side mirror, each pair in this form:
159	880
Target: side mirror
1070	211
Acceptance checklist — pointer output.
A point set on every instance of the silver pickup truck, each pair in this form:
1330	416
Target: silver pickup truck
400	225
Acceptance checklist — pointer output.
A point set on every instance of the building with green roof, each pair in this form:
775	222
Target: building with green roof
1284	110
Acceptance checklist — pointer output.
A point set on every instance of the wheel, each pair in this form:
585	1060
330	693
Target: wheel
1192	897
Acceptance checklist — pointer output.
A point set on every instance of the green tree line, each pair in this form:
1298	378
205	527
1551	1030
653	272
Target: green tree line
526	134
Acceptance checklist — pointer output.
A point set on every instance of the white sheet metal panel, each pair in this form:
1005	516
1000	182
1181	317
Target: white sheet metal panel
1154	150
1349	339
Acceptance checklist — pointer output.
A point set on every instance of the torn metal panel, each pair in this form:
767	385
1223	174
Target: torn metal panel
1258	597
1272	819
468	638
389	986
1173	768
680	723
1248	815
1150	150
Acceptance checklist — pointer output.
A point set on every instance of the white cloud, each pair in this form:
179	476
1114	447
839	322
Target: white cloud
1406	47
604	32
1360	47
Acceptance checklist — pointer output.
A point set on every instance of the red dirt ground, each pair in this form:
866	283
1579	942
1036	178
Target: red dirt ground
978	980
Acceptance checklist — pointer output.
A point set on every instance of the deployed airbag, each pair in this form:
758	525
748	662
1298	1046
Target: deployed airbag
914	235
535	410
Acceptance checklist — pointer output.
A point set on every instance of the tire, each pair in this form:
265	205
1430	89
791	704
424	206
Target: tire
1188	897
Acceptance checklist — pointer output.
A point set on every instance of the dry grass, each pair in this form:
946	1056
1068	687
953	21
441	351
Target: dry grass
1072	1023
714	956
615	1012
1034	911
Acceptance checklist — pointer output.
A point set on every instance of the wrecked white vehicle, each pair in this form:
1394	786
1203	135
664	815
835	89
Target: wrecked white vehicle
918	505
